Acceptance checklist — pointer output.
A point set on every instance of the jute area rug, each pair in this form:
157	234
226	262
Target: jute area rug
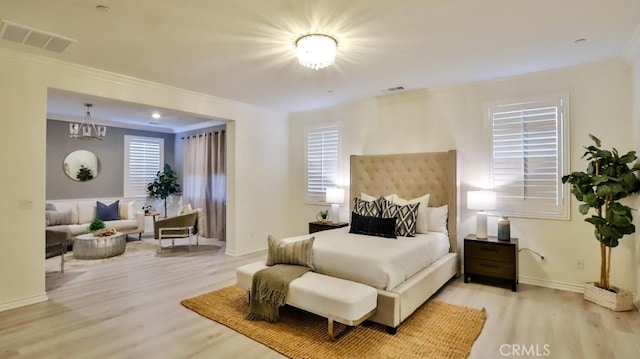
436	330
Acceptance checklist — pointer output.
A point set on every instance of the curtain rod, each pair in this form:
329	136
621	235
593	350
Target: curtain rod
202	134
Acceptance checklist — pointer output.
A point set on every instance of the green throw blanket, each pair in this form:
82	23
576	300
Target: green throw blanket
269	291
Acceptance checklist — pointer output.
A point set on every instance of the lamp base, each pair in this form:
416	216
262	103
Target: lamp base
481	225
335	213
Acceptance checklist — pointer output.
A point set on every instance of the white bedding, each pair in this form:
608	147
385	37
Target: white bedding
382	263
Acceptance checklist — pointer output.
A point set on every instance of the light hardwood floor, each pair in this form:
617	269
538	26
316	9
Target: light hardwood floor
129	307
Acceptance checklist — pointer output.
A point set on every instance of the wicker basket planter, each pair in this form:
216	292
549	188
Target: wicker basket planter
619	301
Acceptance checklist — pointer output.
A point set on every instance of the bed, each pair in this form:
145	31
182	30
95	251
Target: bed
405	271
410	176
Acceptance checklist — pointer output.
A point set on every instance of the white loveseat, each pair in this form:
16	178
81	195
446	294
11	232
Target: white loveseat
78	215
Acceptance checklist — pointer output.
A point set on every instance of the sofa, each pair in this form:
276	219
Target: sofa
74	217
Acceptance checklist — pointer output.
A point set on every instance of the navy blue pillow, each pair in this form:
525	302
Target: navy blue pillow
373	226
107	213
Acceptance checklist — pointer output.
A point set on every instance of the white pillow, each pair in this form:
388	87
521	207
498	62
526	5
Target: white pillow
185	209
422	223
369	198
437	218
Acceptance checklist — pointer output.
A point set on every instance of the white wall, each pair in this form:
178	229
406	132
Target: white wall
453	118
635	60
257	161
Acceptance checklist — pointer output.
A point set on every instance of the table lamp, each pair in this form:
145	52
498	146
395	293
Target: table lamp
335	196
481	201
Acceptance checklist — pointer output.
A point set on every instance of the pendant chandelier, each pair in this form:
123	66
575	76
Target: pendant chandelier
87	130
316	51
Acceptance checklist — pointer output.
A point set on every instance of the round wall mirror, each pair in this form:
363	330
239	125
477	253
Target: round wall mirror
81	165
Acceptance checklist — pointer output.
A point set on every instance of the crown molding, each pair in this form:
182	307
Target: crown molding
57	66
413	95
199	126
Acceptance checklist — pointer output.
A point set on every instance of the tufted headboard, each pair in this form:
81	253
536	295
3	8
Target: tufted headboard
409	176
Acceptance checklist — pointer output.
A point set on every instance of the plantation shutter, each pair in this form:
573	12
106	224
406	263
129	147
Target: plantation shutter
322	155
529	157
144	158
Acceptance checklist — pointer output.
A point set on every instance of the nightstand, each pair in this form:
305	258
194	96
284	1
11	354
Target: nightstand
491	260
318	226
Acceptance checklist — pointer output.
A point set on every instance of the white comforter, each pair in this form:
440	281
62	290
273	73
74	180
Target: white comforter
382	263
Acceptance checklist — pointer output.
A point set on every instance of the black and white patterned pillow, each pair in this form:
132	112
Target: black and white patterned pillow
365	208
405	217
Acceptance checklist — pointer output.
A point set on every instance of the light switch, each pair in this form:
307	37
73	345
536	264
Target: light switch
26	204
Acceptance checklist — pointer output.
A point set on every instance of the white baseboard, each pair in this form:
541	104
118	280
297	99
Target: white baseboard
23	302
233	253
571	287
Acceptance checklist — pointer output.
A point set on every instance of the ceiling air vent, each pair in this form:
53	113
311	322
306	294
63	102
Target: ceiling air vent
33	37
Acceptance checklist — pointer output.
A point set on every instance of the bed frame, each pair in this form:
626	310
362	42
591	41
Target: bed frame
410	176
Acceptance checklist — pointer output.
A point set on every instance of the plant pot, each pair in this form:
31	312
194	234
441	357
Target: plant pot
619	301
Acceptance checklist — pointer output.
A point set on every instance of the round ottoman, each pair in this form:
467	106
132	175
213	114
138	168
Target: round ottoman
88	246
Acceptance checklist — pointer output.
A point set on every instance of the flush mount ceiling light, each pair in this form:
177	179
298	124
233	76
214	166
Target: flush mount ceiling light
87	130
316	51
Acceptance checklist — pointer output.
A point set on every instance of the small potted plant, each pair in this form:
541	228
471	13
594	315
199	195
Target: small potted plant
96	225
323	216
608	179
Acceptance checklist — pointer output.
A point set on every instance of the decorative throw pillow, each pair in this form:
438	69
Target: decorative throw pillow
365	208
185	209
50	207
437	217
298	252
422	223
57	218
107	212
406	218
373	226
369	198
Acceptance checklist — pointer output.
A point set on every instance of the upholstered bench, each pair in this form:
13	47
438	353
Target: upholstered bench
336	299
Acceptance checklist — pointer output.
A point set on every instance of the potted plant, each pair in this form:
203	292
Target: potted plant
84	173
608	179
164	185
96	225
323	216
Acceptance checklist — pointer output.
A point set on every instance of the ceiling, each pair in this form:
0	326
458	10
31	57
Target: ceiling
244	50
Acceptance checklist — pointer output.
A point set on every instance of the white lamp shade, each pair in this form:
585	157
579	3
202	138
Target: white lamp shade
335	195
481	200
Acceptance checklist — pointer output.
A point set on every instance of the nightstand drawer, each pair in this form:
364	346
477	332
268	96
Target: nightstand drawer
494	252
490	268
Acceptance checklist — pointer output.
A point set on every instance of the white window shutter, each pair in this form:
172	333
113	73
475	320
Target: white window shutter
322	159
529	157
144	157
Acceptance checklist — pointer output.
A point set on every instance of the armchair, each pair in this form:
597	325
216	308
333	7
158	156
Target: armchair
182	226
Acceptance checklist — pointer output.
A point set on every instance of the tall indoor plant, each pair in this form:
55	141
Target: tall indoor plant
164	185
609	178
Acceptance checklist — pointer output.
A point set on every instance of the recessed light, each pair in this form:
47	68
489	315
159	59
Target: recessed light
155	115
580	40
103	8
330	91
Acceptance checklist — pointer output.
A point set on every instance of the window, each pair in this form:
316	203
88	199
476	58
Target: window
143	158
529	156
322	149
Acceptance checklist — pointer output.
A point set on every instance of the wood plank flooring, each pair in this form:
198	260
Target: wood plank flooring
129	307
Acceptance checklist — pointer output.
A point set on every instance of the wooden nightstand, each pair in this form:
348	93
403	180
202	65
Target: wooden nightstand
491	260
318	226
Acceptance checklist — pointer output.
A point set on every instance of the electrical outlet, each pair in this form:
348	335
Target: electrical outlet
579	263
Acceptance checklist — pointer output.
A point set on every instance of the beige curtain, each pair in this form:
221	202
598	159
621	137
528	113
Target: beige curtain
205	181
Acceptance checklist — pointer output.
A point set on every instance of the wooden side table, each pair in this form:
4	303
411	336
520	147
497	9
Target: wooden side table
318	226
491	260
